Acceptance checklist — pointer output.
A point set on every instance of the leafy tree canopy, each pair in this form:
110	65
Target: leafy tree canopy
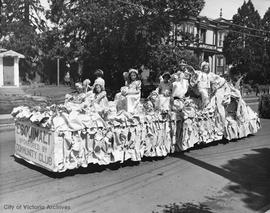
241	48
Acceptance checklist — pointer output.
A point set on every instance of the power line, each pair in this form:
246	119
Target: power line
228	23
244	27
247	34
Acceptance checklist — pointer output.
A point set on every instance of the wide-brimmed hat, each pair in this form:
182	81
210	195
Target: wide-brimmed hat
166	74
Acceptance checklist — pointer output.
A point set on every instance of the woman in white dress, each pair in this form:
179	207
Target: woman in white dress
162	95
129	97
100	101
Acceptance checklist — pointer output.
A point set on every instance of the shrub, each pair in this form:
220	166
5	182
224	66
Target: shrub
264	106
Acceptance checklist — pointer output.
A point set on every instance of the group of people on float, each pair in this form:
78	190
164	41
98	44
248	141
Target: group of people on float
171	86
84	91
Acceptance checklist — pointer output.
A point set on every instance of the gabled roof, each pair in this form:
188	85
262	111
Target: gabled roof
11	53
220	19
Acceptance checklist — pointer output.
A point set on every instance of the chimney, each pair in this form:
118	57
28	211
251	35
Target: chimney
220	14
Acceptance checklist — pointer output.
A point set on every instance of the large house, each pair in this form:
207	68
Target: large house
209	35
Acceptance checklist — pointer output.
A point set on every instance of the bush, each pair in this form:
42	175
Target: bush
264	106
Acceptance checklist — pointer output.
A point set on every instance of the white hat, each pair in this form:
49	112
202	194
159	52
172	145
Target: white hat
99	81
99	71
133	70
204	63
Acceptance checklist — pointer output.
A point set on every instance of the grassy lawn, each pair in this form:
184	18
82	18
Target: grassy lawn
31	96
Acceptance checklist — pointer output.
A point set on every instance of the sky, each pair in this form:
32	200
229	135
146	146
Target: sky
229	7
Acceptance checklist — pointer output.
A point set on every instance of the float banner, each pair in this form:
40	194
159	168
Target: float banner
34	144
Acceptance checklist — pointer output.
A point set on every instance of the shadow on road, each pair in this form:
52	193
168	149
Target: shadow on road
91	168
184	208
250	176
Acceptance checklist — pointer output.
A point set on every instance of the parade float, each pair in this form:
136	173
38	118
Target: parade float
79	132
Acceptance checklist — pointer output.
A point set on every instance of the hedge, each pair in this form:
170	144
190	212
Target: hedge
264	106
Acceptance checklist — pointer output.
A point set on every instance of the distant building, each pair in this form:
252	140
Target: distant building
9	68
209	35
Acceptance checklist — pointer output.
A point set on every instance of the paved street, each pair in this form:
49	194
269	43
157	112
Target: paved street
222	177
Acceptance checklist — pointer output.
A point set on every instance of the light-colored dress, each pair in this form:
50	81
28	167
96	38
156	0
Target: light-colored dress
101	101
163	101
180	86
207	84
129	102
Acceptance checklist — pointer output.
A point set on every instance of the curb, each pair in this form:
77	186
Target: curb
7	127
6	121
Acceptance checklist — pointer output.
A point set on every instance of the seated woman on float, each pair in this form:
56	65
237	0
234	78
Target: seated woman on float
100	100
181	82
129	97
78	96
162	95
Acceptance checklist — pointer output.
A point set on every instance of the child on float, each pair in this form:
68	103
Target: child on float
180	82
76	100
165	86
99	76
129	97
100	96
86	85
203	84
160	98
78	95
208	83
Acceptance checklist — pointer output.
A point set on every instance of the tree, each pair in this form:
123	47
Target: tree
167	57
243	50
21	25
116	35
266	55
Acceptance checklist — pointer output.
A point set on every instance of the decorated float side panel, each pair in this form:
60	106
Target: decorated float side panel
35	144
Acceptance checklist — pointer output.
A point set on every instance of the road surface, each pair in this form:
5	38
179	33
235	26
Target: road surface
222	177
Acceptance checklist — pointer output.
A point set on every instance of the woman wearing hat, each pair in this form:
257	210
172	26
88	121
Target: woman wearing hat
207	83
129	97
99	76
100	95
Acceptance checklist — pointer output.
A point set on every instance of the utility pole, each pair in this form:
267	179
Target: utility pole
58	70
244	42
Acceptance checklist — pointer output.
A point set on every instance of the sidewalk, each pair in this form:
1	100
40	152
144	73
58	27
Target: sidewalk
6	119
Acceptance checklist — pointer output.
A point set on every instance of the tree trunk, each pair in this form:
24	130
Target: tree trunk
26	12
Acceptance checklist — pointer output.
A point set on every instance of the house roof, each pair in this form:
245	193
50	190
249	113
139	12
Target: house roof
11	53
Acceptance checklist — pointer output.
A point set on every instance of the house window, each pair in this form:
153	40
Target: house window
220	61
220	39
8	61
203	35
191	29
214	38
